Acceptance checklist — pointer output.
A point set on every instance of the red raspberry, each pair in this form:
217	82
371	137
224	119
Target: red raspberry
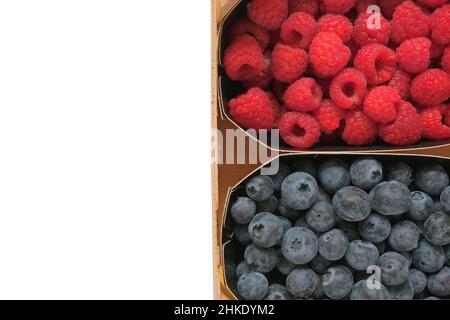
445	61
329	116
359	129
288	63
299	130
406	129
243	59
436	50
368	31
303	95
337	6
409	21
264	78
268	14
388	6
255	109
308	6
432	3
363	5
328	55
413	55
401	81
279	88
377	62
380	104
431	87
245	26
348	88
433	128
338	24
440	25
298	30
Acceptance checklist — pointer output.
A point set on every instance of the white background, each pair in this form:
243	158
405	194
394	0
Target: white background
105	149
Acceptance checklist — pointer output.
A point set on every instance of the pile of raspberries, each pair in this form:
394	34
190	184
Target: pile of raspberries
325	70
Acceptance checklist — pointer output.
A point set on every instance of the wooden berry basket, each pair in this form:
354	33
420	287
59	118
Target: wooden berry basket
226	177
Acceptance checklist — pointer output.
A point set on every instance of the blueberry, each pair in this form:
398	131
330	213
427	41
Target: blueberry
242	268
299	191
318	293
447	255
259	188
333	245
445	200
361	254
381	246
323	196
394	268
437	229
305	165
243	210
253	286
428	257
299	245
301	222
270	205
278	292
283	265
230	272
422	206
361	291
418	280
431	298
287	224
319	264
439	283
337	282
277	179
302	282
431	178
241	233
351	204
266	230
391	198
321	217
366	173
404	291
408	257
260	259
400	171
287	212
350	230
437	206
376	228
334	175
404	236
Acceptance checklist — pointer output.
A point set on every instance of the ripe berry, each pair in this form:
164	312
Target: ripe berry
445	61
245	26
338	24
359	129
401	81
288	63
377	62
440	25
308	6
337	6
431	120
329	116
388	7
348	88
380	104
409	21
431	87
413	55
303	95
298	30
432	3
368	31
268	14
264	78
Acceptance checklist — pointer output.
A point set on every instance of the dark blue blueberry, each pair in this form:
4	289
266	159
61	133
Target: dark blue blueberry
439	283
428	257
418	280
400	171
422	206
376	228
323	196
260	259
301	222
394	268
350	230
391	198
334	175
431	178
242	268
319	264
302	283
445	200
270	205
352	204
266	230
362	254
278	179
366	173
321	217
299	245
299	191
333	245
241	233
243	210
337	282
305	165
252	286
286	211
278	292
259	188
403	291
287	224
361	291
283	265
404	236
437	229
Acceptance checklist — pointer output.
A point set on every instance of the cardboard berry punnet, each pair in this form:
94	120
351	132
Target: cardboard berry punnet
239	154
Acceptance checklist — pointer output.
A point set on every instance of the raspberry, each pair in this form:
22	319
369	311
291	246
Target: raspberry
366	30
288	64
298	30
268	14
409	21
433	128
432	3
337	6
243	59
431	87
363	5
348	88
329	116
359	129
245	26
380	104
264	78
299	130
413	55
388	7
445	61
406	129
328	55
303	95
401	81
338	24
440	25
377	62
308	6
436	50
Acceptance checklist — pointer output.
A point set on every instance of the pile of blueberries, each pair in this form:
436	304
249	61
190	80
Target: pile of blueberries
360	230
